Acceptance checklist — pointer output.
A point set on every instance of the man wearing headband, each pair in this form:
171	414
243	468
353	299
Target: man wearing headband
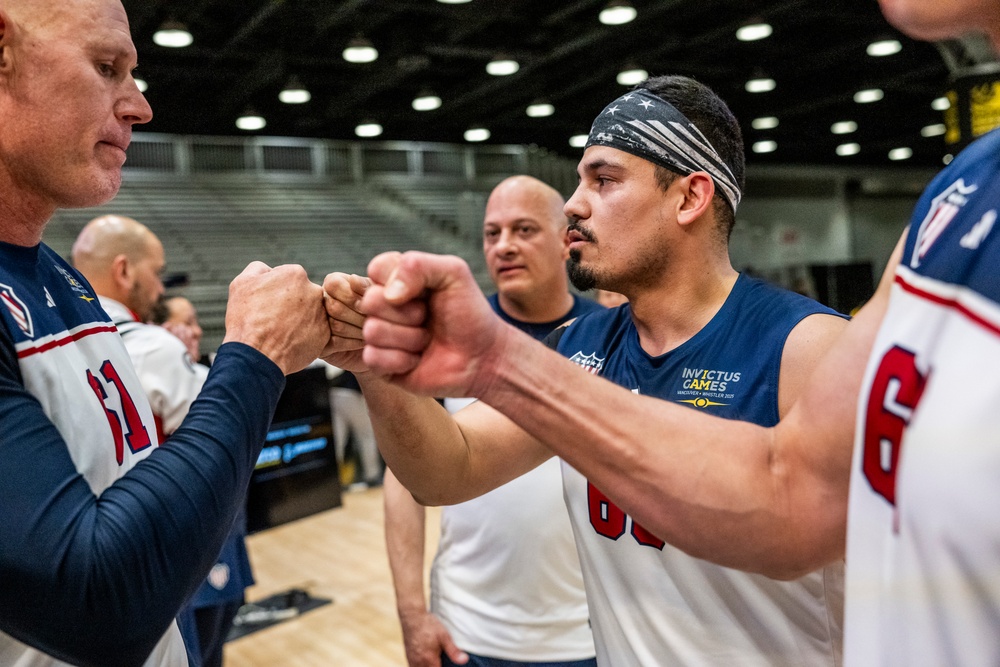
659	184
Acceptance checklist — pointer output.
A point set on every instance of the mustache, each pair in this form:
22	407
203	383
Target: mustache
582	231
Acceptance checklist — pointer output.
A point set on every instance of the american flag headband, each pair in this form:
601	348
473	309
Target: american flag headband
646	126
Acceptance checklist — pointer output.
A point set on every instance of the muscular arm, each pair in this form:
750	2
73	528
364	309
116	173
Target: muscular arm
765	500
805	347
424	636
96	580
429	449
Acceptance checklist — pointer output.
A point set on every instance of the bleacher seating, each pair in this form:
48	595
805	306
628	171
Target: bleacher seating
212	227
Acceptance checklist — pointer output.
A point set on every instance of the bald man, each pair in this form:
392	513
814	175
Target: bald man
103	534
506	582
122	259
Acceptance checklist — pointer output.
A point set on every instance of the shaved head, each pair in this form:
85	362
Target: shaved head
123	260
108	236
530	193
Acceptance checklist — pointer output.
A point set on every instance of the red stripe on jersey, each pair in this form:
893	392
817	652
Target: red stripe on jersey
948	303
66	340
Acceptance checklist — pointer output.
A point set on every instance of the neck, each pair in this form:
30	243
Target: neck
22	222
541	306
670	312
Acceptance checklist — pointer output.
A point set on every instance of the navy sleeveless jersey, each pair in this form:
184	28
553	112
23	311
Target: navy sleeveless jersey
729	368
539	330
651	603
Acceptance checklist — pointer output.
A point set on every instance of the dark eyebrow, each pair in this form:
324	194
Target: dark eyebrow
600	163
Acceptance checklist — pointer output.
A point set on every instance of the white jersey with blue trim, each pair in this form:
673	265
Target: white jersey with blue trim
73	362
923	547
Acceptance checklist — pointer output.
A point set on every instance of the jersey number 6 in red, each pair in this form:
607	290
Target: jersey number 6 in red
134	432
609	520
896	390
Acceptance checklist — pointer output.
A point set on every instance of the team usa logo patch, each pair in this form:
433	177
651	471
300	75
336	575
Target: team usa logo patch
588	362
17	310
943	210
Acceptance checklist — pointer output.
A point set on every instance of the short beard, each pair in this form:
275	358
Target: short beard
580	276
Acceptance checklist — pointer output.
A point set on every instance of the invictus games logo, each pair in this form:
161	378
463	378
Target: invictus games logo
708	387
589	362
942	211
74	284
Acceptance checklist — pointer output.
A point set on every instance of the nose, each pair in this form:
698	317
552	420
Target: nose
575	208
133	107
505	243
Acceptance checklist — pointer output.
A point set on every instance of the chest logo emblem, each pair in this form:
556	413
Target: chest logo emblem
943	210
17	310
588	362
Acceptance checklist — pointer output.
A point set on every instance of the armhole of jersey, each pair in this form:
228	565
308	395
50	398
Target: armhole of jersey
552	340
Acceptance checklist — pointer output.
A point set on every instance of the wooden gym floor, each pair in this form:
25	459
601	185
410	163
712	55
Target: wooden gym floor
338	554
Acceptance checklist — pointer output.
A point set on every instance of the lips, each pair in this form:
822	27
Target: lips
578	234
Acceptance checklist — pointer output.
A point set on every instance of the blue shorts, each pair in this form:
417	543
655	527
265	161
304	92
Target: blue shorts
481	661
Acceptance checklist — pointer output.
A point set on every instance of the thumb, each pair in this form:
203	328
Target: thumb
417	272
455	654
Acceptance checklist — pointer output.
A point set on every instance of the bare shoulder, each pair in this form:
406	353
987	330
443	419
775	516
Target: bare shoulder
806	345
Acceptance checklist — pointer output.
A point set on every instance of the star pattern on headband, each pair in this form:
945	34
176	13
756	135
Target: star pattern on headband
646	104
627	97
612	110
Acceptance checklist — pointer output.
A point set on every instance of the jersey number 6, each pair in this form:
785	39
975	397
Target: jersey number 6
135	433
609	520
896	390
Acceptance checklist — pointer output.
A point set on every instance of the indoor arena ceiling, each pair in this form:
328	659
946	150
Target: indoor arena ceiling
244	53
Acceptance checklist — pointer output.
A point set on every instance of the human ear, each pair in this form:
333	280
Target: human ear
698	190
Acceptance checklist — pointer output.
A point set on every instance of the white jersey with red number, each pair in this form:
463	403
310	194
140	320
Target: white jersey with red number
923	547
170	378
72	360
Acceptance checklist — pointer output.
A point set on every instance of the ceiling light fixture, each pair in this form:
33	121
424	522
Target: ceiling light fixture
502	66
868	96
368	130
902	153
760	85
844	150
173	34
935	130
618	12
251	121
632	77
941	104
754	31
886	47
426	101
360	50
294	92
844	127
477	134
578	140
764	123
767	146
141	85
540	110
947	158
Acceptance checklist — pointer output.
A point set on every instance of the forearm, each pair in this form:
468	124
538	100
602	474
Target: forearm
129	558
405	526
419	441
731	492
